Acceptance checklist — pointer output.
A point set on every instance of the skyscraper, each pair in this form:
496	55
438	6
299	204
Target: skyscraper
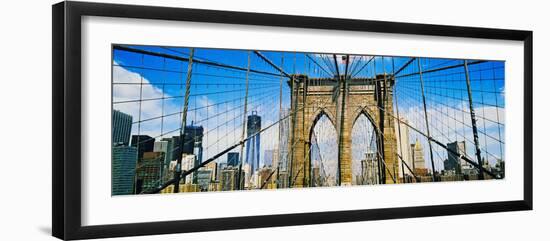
229	178
204	177
454	162
418	155
253	126
143	143
403	146
149	171
247	175
165	146
123	170
220	167
192	141
188	162
192	145
362	177
233	159
176	145
315	176
213	166
122	127
370	168
284	130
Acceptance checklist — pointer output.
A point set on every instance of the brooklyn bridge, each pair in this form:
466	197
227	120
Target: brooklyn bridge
198	119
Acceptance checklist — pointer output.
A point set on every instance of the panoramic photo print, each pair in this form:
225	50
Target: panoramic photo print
190	119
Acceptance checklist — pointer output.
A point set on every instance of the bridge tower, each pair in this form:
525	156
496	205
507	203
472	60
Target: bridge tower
342	100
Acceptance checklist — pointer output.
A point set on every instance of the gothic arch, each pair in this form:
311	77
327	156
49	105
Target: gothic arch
318	116
365	111
364	171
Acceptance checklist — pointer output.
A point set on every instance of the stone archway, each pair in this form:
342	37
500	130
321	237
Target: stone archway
365	153
326	157
309	97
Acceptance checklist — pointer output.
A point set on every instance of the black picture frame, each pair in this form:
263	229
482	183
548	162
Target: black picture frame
67	137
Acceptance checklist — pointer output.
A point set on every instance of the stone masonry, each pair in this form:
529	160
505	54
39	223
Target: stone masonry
324	97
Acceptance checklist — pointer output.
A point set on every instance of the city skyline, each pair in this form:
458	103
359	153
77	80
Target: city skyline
149	91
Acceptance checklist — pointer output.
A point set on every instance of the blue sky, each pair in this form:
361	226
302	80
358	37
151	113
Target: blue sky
217	101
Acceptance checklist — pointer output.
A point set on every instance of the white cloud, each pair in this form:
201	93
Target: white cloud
130	86
127	87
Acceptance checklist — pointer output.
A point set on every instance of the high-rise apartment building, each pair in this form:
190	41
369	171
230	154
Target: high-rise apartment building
143	143
149	171
122	127
124	159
